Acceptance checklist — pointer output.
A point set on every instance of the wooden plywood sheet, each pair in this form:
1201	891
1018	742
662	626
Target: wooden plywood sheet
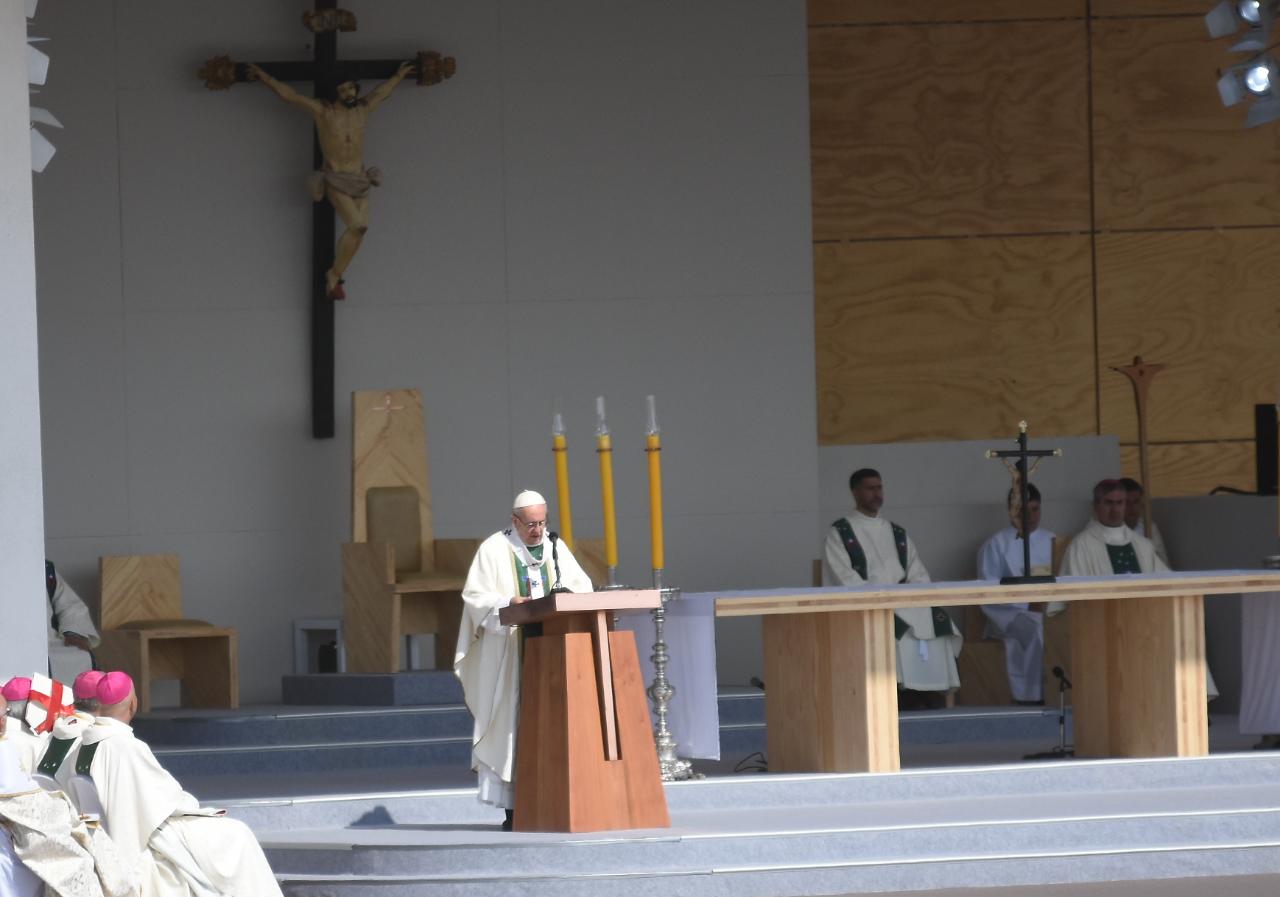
953	339
1167	152
1203	303
948	129
1194	468
1196	8
845	12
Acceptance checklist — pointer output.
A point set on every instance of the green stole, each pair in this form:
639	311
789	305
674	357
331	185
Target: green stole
54	754
1124	558
942	624
529	630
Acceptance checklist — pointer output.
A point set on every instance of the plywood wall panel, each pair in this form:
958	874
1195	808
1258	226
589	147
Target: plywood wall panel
1205	304
1196	8
852	12
953	339
1194	468
1167	153
936	130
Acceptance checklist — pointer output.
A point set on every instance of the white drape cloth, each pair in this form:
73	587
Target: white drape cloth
925	662
1260	664
488	657
693	716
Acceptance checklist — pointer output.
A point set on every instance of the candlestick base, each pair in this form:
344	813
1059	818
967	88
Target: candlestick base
674	769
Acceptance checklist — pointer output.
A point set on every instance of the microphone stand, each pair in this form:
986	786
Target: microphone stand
1061	751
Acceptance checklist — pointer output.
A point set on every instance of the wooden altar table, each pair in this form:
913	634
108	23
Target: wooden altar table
1137	662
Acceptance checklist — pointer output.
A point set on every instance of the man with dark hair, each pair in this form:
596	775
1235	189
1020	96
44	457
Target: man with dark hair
1021	628
1106	545
1133	493
865	547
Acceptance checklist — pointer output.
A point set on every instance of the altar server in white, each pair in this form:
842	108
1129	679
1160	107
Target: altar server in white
45	848
865	547
514	565
72	634
1106	547
176	848
1021	628
1133	493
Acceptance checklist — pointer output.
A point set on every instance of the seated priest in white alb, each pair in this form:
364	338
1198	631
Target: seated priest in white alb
1133	493
1106	547
46	850
175	847
514	565
1020	627
72	634
866	548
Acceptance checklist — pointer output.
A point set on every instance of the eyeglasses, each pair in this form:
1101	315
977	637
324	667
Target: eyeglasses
531	525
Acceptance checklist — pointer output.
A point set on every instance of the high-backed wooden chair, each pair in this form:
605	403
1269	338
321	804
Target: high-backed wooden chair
397	579
145	634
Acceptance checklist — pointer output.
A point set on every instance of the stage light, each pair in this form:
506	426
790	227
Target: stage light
1257	79
1258	17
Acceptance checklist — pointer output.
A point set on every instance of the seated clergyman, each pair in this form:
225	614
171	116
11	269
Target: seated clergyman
866	548
173	845
1017	624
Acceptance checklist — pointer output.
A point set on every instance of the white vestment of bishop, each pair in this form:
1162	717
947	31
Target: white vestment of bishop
925	661
67	661
488	657
1021	629
28	746
1157	539
45	848
177	848
1088	555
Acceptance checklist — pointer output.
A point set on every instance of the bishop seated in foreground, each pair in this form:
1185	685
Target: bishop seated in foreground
866	548
175	847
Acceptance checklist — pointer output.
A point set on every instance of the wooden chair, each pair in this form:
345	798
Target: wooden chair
397	579
145	634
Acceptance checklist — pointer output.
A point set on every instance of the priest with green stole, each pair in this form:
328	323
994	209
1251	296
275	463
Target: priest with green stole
866	548
514	565
1106	545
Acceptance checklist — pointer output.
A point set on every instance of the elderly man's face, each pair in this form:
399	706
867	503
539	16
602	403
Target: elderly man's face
530	523
1109	509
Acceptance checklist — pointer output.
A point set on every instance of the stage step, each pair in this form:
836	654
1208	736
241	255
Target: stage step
982	827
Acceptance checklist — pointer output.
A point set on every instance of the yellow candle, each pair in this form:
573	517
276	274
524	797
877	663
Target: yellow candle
653	447
561	451
604	448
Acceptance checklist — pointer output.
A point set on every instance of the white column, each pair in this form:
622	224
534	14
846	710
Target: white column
22	596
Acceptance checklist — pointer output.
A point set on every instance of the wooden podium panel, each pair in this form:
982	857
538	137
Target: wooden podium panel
564	781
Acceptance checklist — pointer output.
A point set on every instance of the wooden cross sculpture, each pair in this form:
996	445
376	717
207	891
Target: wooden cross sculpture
1017	463
341	182
1140	375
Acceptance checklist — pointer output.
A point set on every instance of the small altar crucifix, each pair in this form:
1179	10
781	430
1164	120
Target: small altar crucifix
1021	475
341	181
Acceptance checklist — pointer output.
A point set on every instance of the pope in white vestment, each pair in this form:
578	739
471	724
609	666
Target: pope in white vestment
176	848
71	631
926	651
1021	629
46	849
511	566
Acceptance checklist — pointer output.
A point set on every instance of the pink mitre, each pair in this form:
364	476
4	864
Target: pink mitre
17	689
114	687
86	685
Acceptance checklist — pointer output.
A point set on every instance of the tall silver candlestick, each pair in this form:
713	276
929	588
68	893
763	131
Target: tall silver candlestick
661	692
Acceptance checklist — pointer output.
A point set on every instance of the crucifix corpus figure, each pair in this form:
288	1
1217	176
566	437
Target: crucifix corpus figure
344	181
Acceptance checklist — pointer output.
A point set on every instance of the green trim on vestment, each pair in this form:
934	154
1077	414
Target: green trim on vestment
1124	558
84	760
54	755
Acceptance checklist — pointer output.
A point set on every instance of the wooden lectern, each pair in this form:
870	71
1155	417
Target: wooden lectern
585	757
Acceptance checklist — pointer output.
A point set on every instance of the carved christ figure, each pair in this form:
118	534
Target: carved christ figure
344	181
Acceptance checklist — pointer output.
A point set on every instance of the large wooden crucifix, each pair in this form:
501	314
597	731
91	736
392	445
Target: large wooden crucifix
1020	464
341	182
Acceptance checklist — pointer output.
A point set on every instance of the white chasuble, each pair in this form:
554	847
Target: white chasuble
177	848
925	661
488	657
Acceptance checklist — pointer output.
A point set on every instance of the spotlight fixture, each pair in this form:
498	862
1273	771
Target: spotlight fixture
1257	17
1257	79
